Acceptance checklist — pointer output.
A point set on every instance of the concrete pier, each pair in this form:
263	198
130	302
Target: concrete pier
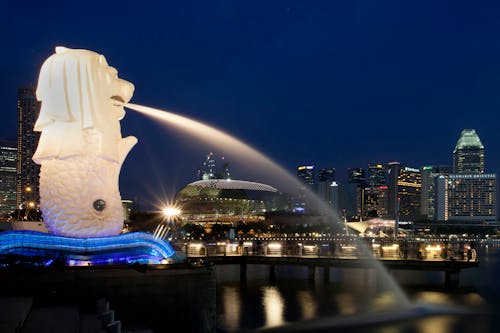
161	297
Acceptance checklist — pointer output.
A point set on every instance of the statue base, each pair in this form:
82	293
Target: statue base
31	248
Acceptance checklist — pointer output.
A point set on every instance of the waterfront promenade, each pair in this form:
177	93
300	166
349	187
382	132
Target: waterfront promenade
448	256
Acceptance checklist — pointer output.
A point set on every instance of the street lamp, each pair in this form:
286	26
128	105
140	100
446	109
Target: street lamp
171	212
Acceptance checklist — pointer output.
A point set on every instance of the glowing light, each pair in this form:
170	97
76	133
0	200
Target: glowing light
171	212
274	246
433	248
102	250
391	247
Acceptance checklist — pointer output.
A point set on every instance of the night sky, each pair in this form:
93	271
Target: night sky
332	83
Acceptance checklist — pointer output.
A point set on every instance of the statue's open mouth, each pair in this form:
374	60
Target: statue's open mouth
117	100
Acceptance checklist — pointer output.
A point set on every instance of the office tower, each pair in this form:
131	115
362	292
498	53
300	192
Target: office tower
28	173
328	188
8	176
214	168
468	156
409	190
441	198
404	192
307	174
356	176
326	175
392	182
472	197
431	205
373	201
376	175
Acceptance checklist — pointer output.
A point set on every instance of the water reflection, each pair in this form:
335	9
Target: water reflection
442	324
232	308
346	304
307	304
384	301
274	306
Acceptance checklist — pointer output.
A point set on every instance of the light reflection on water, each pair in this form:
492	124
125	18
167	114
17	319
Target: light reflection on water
274	306
307	304
232	308
291	298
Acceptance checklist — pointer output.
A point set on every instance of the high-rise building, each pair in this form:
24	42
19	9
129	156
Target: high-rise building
409	190
307	174
328	189
326	175
8	176
404	195
214	168
28	173
373	201
392	181
431	204
356	176
441	198
472	197
376	175
468	156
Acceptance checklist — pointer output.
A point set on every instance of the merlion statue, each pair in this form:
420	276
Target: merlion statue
81	149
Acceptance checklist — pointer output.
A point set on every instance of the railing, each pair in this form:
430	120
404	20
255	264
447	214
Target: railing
339	249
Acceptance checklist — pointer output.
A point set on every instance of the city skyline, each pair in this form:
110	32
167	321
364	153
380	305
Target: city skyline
337	85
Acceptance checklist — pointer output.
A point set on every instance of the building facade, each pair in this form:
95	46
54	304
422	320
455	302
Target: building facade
28	173
376	175
472	197
307	174
373	201
468	155
214	167
328	188
409	192
431	205
8	176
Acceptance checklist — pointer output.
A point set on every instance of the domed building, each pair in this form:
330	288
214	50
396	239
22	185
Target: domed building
227	201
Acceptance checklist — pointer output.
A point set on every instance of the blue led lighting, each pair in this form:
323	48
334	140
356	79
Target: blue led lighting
127	248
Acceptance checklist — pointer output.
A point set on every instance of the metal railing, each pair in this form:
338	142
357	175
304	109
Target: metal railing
350	249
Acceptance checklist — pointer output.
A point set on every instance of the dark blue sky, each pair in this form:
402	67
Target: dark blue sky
333	83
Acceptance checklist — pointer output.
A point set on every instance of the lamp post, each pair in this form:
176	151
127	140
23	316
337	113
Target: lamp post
170	213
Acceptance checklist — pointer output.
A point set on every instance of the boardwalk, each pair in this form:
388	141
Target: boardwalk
449	258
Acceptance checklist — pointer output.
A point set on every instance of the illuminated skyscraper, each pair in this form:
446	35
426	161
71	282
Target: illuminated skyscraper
472	197
28	173
376	175
373	201
214	168
432	204
468	156
356	176
404	196
328	189
307	174
8	176
392	180
409	191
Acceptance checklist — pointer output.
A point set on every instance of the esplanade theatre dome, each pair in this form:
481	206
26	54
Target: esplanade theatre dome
224	200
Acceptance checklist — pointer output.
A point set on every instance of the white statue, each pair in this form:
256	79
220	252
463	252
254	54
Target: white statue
81	149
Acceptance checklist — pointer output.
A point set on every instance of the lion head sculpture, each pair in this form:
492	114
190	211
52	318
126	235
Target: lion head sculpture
75	87
81	149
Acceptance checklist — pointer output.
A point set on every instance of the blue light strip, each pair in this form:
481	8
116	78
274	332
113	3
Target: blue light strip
11	240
